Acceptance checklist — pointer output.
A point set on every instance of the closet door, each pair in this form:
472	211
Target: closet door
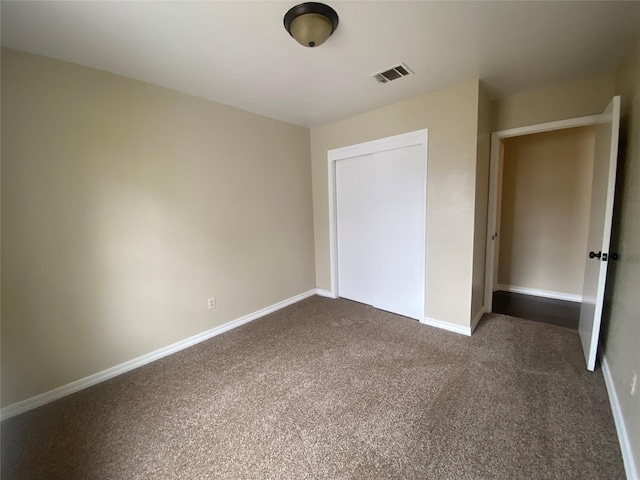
356	228
381	229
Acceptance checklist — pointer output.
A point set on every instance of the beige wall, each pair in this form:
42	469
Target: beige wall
621	326
481	202
124	207
546	194
559	102
451	116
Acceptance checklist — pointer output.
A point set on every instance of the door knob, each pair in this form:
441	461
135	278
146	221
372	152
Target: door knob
595	255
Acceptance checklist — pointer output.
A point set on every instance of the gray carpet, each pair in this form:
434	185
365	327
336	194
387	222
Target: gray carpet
332	389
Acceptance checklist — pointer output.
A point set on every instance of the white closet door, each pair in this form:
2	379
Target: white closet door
381	229
356	228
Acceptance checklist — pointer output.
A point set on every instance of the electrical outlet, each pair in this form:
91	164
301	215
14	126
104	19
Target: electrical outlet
634	383
211	303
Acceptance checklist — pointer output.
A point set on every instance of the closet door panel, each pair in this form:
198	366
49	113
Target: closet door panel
399	247
381	229
356	228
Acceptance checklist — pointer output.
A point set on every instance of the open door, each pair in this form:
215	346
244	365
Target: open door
598	255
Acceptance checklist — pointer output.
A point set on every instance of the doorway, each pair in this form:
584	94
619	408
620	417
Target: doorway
377	195
542	220
494	237
597	254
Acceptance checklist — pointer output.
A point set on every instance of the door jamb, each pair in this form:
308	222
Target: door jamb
418	137
496	138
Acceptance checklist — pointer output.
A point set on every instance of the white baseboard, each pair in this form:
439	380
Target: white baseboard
452	327
570	297
625	447
50	396
477	318
325	293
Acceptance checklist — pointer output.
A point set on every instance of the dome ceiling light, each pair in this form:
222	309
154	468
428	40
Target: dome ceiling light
311	23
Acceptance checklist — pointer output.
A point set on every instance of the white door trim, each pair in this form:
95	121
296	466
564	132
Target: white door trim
496	137
418	137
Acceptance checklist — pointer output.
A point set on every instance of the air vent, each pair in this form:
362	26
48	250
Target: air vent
393	73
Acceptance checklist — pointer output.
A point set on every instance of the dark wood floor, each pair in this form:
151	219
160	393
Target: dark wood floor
546	310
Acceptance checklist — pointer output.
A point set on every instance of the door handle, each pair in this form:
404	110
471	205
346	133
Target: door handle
603	256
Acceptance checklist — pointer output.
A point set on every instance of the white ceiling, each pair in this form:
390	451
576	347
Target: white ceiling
238	53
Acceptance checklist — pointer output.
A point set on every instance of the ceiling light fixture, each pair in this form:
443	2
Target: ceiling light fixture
311	23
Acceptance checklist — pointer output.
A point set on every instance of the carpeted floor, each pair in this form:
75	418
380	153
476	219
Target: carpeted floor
332	389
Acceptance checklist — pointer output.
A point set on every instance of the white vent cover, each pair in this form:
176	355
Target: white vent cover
393	73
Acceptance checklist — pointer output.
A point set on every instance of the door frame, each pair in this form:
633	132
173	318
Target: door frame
494	172
418	137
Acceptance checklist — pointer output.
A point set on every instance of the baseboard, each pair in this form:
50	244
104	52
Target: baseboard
625	447
325	293
570	297
477	318
452	327
73	387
